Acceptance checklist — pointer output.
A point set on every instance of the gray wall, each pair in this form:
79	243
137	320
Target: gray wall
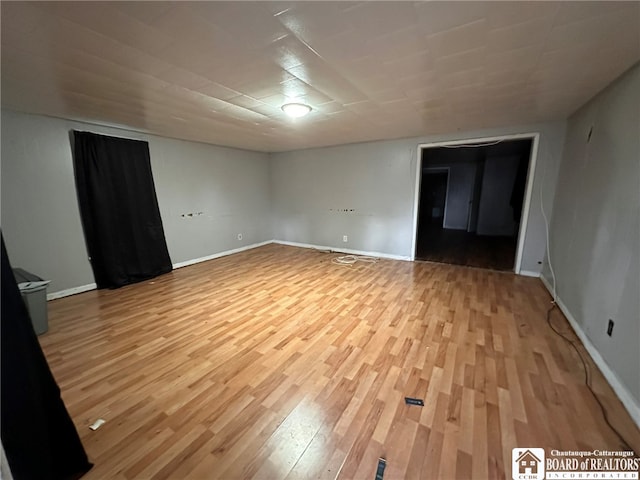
40	217
595	230
495	215
377	180
312	188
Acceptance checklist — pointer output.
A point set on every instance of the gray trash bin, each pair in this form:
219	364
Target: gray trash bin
34	293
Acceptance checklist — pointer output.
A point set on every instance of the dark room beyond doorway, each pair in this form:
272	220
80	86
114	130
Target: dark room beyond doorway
470	204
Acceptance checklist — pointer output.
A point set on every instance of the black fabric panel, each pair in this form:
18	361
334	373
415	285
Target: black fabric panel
39	438
119	209
519	185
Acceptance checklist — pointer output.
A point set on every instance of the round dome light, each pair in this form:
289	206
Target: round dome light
296	110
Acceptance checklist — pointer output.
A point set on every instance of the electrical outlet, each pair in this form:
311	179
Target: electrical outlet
239	236
610	327
345	238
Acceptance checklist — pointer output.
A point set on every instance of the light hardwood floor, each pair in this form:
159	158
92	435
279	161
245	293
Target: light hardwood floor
275	363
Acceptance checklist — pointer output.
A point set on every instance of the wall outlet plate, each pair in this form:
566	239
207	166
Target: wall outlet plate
239	236
345	238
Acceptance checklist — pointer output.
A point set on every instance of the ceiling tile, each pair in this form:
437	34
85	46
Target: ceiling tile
219	72
436	17
459	39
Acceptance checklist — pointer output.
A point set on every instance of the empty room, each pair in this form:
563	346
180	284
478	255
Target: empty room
320	240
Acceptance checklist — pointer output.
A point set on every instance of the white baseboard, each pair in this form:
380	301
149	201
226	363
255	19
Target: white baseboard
627	399
529	273
186	263
343	250
92	286
71	291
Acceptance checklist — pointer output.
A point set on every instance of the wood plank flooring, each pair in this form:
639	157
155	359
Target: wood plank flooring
459	247
276	363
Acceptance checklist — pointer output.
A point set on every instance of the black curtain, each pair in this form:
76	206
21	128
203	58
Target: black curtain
38	436
519	185
119	209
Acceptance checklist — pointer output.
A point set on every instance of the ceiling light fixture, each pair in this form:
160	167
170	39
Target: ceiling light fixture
296	110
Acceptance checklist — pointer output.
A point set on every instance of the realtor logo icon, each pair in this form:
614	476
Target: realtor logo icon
527	463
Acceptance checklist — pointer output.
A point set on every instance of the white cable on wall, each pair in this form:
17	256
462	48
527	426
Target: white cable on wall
550	157
546	225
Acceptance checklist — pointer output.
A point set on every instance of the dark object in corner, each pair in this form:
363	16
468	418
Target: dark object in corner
38	436
33	291
519	186
119	209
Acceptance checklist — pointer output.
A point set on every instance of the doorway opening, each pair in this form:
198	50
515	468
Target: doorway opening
472	201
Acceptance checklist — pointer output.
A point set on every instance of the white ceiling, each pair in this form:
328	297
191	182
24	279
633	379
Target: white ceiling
218	72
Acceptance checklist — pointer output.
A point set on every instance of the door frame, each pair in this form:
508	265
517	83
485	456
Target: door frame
526	205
